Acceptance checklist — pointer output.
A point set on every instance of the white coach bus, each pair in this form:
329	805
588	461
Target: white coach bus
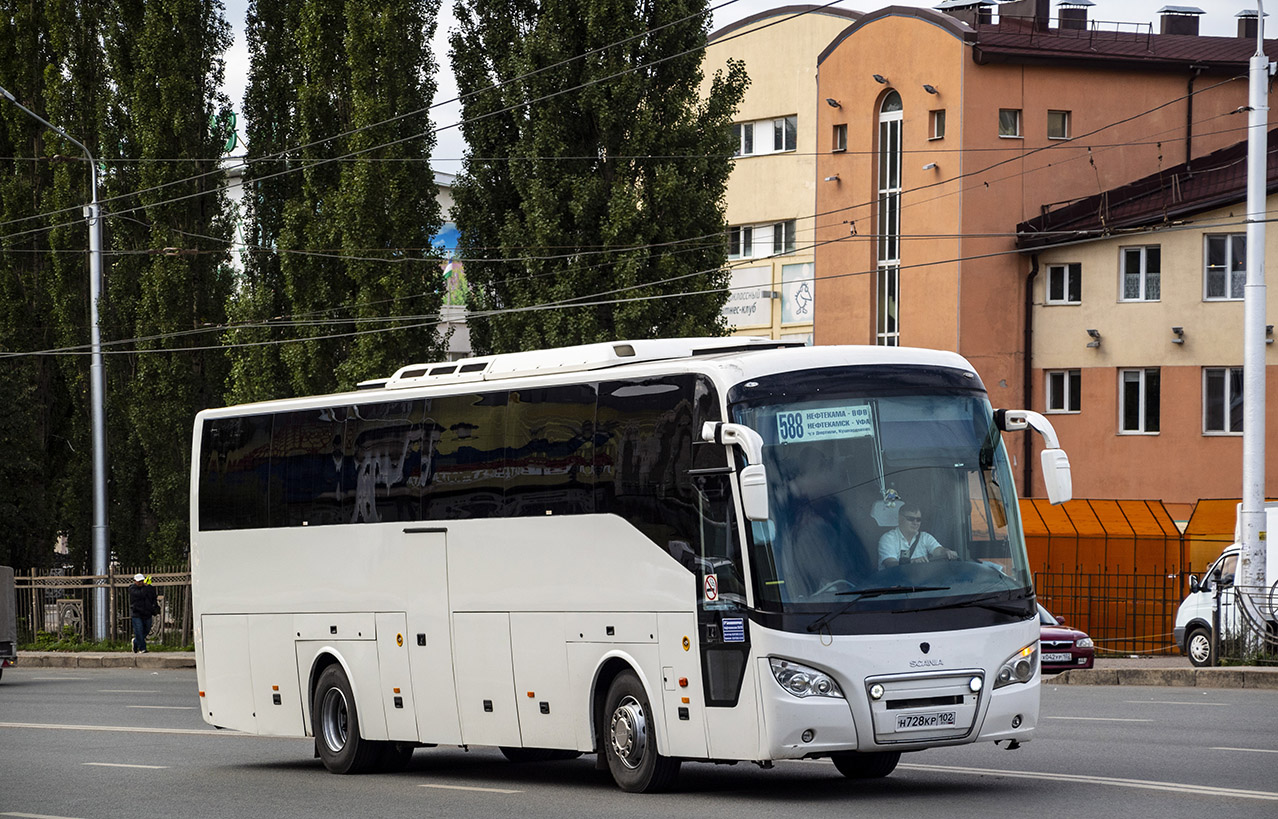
656	551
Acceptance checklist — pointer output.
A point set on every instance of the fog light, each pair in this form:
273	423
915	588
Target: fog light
809	735
876	692
1016	721
974	684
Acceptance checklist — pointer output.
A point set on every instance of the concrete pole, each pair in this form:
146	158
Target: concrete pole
97	379
1252	516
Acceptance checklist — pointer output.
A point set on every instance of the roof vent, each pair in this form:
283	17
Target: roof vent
973	12
1248	24
1073	14
1180	20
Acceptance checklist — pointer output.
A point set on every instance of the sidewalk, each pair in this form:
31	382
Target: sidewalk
105	659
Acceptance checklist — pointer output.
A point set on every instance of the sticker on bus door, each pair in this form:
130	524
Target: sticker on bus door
712	588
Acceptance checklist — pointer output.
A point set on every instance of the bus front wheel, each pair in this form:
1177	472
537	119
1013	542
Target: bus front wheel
336	726
871	765
630	741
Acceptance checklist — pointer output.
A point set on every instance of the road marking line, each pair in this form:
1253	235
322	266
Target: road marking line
1152	785
131	729
36	816
1252	750
1103	719
125	691
1171	702
466	788
165	707
124	765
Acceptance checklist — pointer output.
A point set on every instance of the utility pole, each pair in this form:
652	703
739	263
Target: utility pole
97	379
1252	515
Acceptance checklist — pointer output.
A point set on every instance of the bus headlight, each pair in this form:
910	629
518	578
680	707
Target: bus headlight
1019	668
802	681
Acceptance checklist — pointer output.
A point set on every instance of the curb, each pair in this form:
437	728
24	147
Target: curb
1253	678
105	659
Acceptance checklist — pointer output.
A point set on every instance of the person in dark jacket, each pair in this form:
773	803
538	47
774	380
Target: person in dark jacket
143	606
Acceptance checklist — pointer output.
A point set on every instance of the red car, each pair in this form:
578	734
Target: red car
1061	647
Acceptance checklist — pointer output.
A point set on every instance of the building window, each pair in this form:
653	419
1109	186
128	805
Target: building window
1142	268
1064	283
1058	124
740	242
840	138
1009	122
1223	399
1063	390
783	237
1225	267
1138	400
784	133
888	271
744	133
936	124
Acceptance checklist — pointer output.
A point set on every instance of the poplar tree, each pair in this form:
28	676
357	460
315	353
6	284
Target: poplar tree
596	179
341	88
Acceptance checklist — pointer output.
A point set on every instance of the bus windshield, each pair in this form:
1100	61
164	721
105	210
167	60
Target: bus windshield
886	495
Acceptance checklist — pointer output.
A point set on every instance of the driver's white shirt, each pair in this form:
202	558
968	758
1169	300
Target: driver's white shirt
893	543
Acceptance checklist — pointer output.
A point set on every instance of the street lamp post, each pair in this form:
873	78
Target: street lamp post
97	380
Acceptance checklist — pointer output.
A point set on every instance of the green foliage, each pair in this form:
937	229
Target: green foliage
614	187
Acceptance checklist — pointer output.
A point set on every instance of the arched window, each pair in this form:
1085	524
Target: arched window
888	285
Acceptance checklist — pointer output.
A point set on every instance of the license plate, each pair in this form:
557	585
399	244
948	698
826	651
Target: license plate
1058	658
922	722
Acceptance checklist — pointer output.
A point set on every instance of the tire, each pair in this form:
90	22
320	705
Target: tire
872	765
629	739
335	722
1198	647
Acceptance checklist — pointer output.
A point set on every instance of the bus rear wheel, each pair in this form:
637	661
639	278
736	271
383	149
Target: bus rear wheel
871	765
630	741
335	722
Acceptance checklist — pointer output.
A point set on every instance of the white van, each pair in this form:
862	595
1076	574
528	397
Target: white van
1194	617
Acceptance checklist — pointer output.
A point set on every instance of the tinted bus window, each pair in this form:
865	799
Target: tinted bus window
549	451
235	467
307	466
467	458
385	464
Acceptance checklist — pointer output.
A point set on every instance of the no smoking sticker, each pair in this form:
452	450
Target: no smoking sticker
712	588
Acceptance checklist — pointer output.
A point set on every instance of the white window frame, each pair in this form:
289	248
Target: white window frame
1063	391
936	124
1020	129
760	240
1230	374
763	136
1142	410
1069	270
1228	239
779	129
1143	273
1066	122
744	132
839	141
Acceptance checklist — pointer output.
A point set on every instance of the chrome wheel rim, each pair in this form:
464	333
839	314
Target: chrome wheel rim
334	719
628	732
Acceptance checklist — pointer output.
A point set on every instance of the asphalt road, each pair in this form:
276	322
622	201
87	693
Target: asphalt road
130	743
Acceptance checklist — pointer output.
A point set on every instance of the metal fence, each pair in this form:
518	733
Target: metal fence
56	608
1123	613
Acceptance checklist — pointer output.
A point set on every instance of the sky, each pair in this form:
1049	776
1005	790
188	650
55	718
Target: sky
1218	21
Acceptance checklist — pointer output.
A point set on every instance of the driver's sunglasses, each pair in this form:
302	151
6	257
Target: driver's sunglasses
914	518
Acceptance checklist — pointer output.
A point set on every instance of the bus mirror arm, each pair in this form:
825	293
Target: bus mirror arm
754	476
1056	473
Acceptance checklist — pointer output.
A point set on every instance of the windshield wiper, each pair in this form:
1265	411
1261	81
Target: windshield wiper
862	594
1000	607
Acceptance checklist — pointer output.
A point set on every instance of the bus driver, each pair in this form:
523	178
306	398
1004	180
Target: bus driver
907	543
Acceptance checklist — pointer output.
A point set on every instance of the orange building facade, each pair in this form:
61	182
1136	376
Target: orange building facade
937	138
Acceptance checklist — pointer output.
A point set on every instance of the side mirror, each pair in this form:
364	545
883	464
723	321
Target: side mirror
1056	474
754	491
1193	584
1060	621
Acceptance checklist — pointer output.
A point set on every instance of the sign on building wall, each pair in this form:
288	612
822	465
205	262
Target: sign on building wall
747	306
797	296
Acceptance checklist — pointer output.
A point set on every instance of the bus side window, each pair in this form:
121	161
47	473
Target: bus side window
467	458
234	473
307	461
550	451
381	476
